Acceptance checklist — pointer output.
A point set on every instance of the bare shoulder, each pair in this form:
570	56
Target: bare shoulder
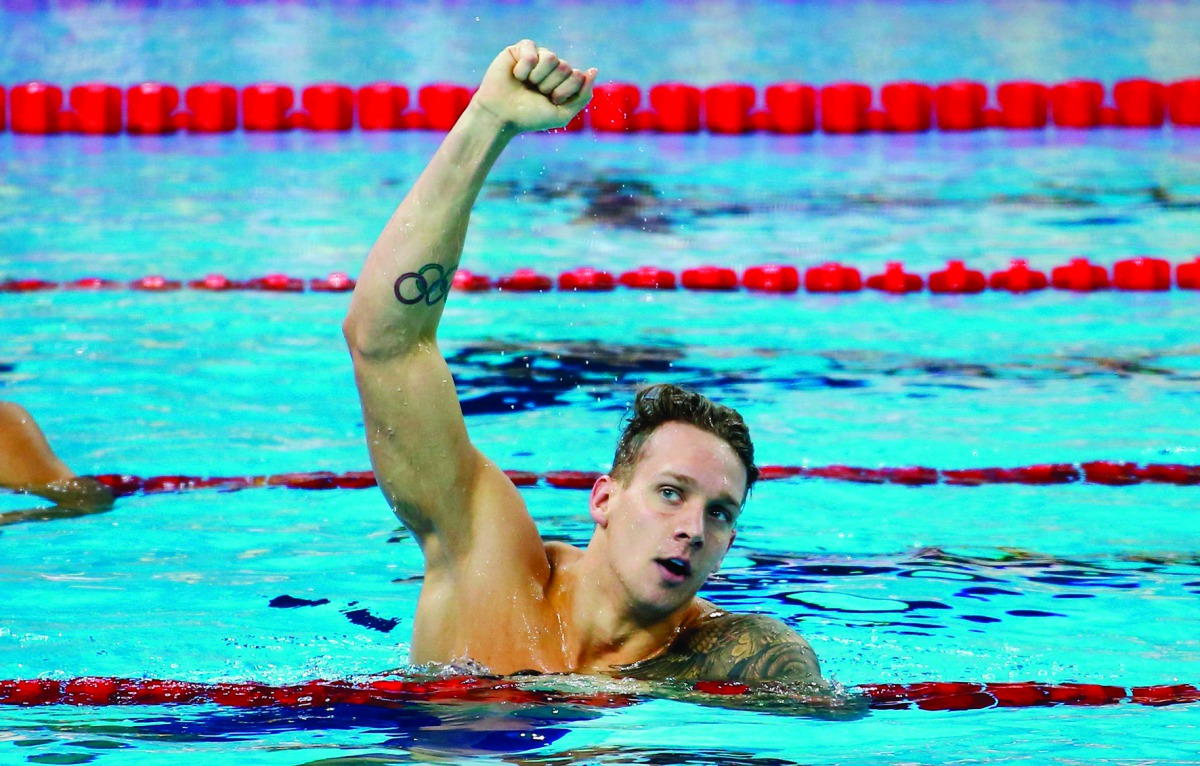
25	456
734	647
14	417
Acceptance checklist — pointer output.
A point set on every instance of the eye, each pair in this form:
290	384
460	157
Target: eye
670	494
722	513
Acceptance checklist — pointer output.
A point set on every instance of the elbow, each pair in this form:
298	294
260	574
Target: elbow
358	338
363	333
373	340
352	332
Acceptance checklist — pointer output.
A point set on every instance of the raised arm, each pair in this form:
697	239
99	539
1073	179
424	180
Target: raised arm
440	486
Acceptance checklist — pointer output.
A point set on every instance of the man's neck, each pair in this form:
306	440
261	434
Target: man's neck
600	629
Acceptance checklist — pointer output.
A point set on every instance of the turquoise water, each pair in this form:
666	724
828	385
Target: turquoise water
1079	582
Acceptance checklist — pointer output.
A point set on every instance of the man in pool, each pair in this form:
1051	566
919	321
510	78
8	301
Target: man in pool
494	593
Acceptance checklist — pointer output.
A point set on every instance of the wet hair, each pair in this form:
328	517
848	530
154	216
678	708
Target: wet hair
664	403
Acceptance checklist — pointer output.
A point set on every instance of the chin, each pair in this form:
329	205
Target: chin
663	604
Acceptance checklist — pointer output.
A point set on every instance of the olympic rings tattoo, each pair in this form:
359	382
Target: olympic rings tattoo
430	291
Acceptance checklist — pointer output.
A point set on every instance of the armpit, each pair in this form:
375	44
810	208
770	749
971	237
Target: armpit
734	647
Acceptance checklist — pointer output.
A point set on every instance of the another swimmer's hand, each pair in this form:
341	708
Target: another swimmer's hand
528	88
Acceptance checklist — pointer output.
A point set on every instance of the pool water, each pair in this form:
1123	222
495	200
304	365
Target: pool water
1061	583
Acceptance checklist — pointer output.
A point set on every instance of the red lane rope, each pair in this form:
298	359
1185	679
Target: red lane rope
955	695
1096	472
1139	274
152	108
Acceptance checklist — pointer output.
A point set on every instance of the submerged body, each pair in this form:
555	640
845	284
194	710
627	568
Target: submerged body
494	592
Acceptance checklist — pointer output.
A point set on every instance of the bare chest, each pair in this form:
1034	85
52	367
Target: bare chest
505	629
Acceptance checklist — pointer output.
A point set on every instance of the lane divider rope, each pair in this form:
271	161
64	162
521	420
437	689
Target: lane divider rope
152	108
1100	472
99	691
1140	274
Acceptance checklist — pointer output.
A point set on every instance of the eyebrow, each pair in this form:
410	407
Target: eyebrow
724	498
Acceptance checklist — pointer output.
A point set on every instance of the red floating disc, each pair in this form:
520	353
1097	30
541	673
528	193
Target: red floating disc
714	278
522	478
1112	474
774	472
1060	473
649	278
356	480
1142	274
159	484
311	480
524	281
336	282
1018	278
896	280
572	479
92	283
120	484
1187	275
771	278
848	473
913	477
215	282
26	285
586	279
727	688
1079	276
832	278
1158	696
1169	474
469	282
278	283
155	284
956	278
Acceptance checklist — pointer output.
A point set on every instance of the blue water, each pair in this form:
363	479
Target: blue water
998	583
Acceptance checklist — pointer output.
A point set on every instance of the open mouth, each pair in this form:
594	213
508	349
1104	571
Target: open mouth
677	567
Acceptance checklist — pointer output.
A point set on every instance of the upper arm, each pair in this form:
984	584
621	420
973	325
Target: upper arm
441	487
737	647
761	648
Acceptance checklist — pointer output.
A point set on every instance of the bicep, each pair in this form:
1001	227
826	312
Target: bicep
439	485
416	436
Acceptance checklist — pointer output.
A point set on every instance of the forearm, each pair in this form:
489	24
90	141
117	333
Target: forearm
403	285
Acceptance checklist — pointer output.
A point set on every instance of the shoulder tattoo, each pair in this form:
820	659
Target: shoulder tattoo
733	647
429	284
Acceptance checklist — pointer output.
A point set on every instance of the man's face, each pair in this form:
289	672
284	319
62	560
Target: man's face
670	526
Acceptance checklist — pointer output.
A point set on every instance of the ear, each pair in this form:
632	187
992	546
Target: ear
602	492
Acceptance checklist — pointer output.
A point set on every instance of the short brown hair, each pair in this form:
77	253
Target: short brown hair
664	403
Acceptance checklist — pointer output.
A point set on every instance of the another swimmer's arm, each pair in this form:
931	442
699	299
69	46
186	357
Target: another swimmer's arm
28	464
25	454
737	647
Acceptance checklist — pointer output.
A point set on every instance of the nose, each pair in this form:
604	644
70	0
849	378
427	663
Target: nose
689	525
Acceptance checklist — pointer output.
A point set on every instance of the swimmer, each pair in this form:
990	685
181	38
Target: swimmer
28	464
665	516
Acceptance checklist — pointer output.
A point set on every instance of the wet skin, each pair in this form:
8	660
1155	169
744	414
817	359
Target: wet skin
28	464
